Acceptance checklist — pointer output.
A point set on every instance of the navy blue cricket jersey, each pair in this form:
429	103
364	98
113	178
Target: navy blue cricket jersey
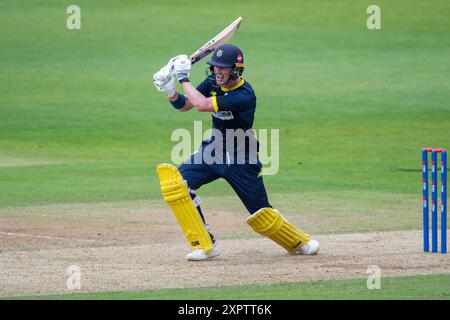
234	109
235	106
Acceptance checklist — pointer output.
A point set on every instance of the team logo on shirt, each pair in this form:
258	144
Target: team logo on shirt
223	115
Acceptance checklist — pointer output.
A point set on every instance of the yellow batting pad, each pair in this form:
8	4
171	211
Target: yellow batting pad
270	223
176	194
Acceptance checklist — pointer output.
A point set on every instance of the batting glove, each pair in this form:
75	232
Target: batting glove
181	67
164	81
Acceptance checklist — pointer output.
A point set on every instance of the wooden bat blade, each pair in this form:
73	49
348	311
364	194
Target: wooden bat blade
223	37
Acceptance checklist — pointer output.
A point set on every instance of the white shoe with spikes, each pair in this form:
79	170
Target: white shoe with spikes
200	255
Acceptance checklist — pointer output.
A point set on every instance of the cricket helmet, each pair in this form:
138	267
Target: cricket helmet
228	55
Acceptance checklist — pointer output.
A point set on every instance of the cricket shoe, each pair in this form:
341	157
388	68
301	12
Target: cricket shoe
310	248
200	255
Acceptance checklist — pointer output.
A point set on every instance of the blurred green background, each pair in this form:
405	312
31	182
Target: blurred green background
80	120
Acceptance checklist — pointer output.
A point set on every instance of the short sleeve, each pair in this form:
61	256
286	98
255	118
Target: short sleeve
204	88
237	101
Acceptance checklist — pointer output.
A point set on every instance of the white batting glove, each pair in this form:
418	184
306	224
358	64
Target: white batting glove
164	81
181	67
162	76
172	61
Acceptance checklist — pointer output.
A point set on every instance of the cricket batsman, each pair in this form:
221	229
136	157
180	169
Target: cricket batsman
231	153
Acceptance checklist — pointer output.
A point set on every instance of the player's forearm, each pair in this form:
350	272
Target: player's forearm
198	100
186	106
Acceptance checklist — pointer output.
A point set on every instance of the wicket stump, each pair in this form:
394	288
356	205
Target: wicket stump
434	200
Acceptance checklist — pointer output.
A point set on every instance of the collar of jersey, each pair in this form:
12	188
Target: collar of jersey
233	87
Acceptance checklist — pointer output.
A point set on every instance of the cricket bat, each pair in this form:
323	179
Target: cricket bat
218	40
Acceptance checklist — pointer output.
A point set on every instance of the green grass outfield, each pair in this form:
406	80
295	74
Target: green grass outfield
399	288
80	120
354	106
